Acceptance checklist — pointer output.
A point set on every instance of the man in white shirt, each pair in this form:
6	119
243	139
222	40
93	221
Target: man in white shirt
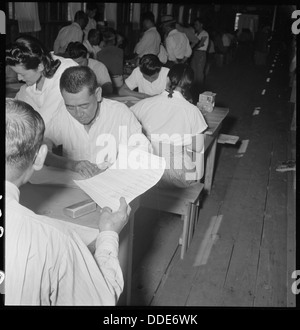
92	42
198	59
150	41
78	52
149	78
91	11
46	262
92	128
70	33
176	43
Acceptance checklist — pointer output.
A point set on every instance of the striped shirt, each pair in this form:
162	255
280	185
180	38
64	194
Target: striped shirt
47	263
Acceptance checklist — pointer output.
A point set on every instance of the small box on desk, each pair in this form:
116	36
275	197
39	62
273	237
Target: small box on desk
81	208
206	101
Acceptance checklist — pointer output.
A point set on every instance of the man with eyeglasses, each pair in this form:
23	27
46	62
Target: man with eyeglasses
92	128
46	262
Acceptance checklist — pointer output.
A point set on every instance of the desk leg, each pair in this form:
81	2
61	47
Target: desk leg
209	166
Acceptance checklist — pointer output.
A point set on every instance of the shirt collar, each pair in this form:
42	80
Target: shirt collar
152	28
75	23
12	191
174	31
175	94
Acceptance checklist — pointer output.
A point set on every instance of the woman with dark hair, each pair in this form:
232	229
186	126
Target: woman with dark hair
149	78
173	125
41	71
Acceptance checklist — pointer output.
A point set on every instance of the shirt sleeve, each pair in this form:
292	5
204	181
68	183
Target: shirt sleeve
22	95
170	49
102	74
188	48
206	41
132	81
135	137
141	45
84	279
198	122
53	131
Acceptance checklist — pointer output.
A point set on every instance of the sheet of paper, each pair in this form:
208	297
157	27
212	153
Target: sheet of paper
55	176
134	172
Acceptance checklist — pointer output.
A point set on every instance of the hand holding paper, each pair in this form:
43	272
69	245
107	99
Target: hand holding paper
114	221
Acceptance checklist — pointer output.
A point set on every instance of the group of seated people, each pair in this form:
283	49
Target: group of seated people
63	103
171	42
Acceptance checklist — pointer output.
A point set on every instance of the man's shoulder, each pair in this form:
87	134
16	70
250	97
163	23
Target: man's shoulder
113	105
92	63
164	70
39	223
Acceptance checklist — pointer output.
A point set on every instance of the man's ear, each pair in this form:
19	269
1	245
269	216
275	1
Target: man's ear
40	158
98	93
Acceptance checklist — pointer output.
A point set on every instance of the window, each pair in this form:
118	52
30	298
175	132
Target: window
236	22
190	16
11	10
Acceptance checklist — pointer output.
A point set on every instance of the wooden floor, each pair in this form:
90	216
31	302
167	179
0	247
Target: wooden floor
243	250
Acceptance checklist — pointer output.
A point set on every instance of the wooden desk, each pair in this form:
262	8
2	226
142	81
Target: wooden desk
50	200
214	121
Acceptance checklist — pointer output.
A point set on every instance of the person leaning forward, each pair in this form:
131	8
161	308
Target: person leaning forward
46	262
92	128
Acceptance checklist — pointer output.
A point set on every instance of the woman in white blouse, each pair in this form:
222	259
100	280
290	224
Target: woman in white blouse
173	125
41	71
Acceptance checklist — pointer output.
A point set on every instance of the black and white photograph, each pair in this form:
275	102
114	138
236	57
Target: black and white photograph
150	158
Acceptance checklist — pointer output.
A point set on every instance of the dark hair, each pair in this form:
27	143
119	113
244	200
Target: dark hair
75	78
30	52
150	64
93	33
200	20
24	134
91	6
76	50
109	36
180	75
80	14
148	15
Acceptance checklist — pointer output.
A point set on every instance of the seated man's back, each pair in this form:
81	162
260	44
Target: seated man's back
41	253
112	58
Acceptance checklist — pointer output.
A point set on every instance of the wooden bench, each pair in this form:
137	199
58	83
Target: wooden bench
182	201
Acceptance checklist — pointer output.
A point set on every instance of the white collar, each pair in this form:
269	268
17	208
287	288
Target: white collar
12	191
76	24
176	94
152	28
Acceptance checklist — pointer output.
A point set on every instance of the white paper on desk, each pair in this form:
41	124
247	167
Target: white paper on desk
134	172
49	175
